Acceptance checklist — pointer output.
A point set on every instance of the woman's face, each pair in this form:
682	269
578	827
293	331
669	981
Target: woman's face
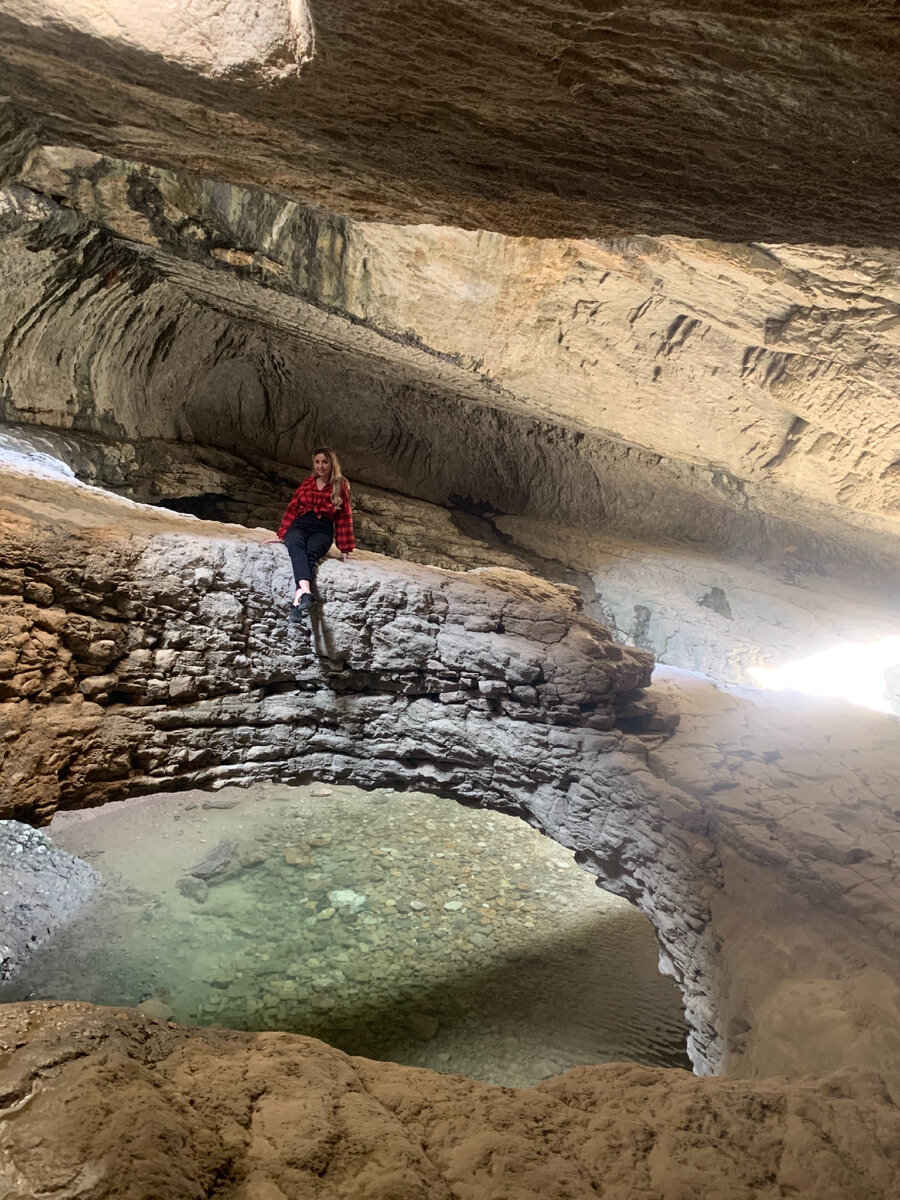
321	466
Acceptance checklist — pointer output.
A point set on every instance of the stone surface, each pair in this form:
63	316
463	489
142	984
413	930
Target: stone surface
182	1114
215	862
741	121
720	821
274	35
40	888
744	393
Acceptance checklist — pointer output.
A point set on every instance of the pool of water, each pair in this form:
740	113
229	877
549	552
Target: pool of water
394	925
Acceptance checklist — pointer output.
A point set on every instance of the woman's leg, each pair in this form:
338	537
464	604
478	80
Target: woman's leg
305	548
296	542
317	547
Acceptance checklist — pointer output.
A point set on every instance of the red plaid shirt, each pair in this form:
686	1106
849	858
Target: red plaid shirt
309	498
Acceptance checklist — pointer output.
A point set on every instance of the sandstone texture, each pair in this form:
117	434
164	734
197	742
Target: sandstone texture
562	284
92	1097
272	36
771	121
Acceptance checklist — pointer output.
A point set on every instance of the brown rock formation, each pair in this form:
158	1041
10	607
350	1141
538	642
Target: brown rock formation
181	326
109	1103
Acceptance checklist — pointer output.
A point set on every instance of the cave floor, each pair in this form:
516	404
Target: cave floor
393	925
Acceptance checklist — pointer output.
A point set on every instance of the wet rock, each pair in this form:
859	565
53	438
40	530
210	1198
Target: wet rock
218	859
299	856
346	898
41	887
194	888
155	1008
423	1026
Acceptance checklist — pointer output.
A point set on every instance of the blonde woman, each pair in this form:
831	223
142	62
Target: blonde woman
319	513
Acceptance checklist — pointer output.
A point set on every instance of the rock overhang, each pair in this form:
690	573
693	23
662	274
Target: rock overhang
706	120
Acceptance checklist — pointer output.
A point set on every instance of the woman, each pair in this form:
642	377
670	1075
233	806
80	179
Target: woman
319	513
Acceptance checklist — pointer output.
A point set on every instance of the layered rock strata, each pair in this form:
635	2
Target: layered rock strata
150	651
162	657
655	389
105	1095
734	121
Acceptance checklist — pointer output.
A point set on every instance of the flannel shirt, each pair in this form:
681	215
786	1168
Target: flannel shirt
308	498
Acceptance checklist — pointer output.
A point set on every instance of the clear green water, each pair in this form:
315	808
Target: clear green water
478	945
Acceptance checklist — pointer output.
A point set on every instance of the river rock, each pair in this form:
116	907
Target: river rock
218	859
345	899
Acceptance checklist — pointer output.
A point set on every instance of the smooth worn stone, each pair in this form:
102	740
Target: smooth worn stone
218	859
424	1026
344	898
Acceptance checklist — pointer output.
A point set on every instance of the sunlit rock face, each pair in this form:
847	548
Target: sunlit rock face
203	34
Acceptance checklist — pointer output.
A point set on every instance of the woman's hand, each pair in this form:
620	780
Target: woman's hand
345	555
270	541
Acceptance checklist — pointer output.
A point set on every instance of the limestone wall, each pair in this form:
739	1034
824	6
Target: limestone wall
197	313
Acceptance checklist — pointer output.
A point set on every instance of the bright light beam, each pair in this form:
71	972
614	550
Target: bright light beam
851	671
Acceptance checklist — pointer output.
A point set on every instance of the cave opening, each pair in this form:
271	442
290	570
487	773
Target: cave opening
394	925
864	673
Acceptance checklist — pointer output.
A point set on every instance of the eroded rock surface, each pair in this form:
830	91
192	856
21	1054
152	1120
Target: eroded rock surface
740	121
115	1095
734	398
41	886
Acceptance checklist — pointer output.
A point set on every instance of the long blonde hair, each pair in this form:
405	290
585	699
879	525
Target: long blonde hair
338	482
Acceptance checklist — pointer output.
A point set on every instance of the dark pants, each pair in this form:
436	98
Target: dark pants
307	541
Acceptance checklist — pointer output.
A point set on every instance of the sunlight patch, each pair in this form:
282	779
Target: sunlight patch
868	675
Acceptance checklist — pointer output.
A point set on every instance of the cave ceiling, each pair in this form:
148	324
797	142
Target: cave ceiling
773	120
632	266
